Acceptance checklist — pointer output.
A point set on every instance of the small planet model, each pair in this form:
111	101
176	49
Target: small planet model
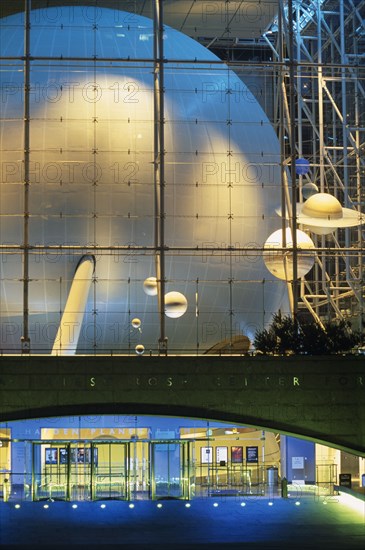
309	189
302	166
150	286
280	262
175	304
139	349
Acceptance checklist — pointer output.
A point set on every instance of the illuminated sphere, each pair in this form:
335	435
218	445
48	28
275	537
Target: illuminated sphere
77	197
175	304
302	166
139	349
150	286
309	189
280	263
136	323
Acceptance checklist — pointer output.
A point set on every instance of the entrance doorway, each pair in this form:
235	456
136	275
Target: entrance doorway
110	469
172	474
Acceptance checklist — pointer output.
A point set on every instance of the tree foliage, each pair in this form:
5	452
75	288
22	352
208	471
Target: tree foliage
287	336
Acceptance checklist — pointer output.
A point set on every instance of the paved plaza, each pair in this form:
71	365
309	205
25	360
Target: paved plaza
303	520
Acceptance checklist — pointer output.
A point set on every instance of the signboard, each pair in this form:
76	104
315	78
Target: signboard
345	480
206	455
252	455
297	462
221	455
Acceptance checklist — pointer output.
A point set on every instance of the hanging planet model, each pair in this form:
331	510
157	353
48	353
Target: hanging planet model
280	263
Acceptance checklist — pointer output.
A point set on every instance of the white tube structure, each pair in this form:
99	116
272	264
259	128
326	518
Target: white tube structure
68	333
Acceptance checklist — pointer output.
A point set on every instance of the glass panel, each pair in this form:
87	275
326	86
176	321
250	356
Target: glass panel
109	473
138	474
50	479
12	29
168	473
80	477
5	463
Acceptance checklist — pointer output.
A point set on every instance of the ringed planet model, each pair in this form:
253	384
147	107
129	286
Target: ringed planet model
322	214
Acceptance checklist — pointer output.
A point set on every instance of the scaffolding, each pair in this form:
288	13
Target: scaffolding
314	52
328	121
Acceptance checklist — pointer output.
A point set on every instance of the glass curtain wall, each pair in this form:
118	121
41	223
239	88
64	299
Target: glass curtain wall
126	139
159	139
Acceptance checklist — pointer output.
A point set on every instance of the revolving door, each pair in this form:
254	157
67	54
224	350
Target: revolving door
110	469
79	470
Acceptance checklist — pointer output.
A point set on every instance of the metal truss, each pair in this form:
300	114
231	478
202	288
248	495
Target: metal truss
322	44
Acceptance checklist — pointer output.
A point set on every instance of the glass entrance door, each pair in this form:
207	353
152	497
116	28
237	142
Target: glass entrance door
49	474
98	470
138	470
110	471
171	472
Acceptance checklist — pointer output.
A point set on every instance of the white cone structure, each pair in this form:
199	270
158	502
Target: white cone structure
69	330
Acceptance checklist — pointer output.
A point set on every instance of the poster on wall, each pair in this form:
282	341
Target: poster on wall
88	456
236	455
206	455
51	456
63	456
221	455
80	456
252	455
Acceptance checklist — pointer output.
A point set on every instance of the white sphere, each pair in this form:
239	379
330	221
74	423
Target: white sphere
280	263
309	189
70	179
150	286
175	304
139	349
136	323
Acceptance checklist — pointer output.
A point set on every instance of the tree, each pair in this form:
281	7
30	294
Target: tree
287	336
265	341
281	337
340	336
314	339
